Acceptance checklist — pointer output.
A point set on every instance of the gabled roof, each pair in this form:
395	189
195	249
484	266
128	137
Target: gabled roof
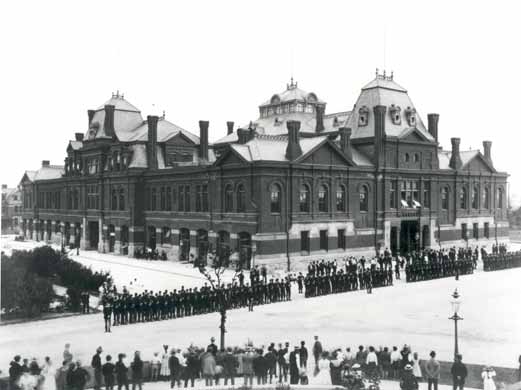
410	130
165	131
49	172
30	175
467	156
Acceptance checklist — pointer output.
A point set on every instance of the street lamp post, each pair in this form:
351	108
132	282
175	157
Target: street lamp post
455	308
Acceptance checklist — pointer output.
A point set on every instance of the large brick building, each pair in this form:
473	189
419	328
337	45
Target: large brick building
291	186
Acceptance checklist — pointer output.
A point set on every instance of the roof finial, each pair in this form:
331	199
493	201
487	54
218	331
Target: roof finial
117	93
376	72
163	114
392	75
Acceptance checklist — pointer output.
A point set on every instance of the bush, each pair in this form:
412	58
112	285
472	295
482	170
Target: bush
24	292
74	299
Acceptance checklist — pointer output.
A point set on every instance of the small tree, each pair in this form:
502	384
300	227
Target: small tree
214	274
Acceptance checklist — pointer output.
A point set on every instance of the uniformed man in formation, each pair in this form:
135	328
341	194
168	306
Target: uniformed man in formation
127	308
501	260
434	264
327	277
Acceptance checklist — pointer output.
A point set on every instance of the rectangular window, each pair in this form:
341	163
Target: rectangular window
341	239
163	199
304	241
168	199
475	230
187	198
323	240
198	198
204	200
181	198
464	231
427	194
392	195
486	230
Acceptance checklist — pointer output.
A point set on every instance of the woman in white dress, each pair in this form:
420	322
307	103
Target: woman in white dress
488	375
48	373
165	371
416	369
323	376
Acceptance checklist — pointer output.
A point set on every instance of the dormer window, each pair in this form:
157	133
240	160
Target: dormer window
309	109
335	122
410	114
278	110
363	116
300	107
395	111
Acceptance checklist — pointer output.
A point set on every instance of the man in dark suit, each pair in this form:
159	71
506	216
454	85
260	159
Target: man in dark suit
293	367
303	354
317	350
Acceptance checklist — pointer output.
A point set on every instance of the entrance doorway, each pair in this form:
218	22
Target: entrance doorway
184	244
202	246
409	236
112	237
93	234
394	239
245	250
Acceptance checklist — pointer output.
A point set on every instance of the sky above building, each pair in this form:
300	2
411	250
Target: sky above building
219	60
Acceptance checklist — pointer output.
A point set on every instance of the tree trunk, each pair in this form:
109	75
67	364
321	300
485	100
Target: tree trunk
223	327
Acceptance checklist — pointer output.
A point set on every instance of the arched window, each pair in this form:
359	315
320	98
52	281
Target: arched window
364	199
341	199
475	197
304	198
241	199
323	198
407	157
275	198
463	198
500	198
228	199
444	198
121	199
486	198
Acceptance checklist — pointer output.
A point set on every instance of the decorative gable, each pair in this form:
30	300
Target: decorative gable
325	154
478	164
413	135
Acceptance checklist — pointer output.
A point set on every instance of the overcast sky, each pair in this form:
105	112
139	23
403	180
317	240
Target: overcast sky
218	60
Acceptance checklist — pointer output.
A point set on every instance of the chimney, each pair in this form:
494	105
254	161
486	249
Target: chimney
45	163
487	145
108	125
203	140
78	136
379	134
293	150
433	125
229	125
91	115
320	118
455	158
4	186
244	135
345	141
152	141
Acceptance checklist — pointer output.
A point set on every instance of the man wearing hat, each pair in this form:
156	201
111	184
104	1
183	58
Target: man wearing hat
408	381
96	365
317	350
212	348
459	373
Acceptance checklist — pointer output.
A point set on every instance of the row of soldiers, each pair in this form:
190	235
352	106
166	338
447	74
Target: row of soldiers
505	260
126	308
354	278
419	271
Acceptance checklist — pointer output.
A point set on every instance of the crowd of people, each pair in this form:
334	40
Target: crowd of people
502	260
126	308
247	365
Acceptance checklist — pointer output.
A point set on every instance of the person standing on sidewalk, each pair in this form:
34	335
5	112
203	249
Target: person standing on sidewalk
432	369
96	365
459	373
